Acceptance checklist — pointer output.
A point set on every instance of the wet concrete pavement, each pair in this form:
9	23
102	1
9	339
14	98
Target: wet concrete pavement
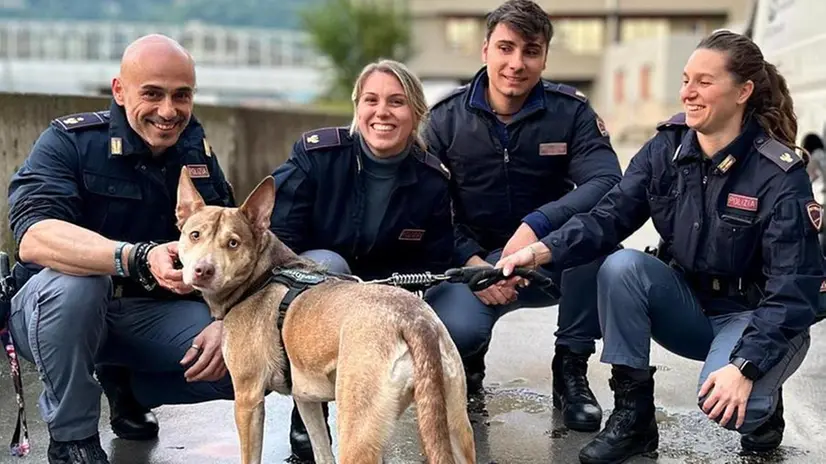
516	423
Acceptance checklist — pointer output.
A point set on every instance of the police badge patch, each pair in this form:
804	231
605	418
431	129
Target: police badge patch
815	212
601	126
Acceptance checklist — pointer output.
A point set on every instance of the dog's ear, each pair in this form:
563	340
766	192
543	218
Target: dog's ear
189	200
259	204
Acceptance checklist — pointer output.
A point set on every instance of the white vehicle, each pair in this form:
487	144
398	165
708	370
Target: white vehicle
792	36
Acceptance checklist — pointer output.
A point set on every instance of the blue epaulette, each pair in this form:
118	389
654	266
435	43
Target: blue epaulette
780	154
565	89
325	137
450	95
676	121
78	121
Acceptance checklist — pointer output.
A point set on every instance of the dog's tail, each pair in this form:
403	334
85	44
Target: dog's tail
422	338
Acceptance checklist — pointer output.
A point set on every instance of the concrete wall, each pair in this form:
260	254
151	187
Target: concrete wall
249	142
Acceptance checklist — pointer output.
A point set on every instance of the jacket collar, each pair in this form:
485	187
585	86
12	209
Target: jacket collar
124	141
407	168
477	100
723	160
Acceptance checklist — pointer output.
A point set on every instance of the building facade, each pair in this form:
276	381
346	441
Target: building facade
448	36
233	64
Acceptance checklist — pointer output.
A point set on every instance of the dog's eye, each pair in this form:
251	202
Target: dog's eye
233	243
194	235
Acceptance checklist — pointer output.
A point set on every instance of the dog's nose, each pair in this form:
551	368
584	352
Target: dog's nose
204	271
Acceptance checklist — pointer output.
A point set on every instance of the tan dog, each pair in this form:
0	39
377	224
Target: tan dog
372	348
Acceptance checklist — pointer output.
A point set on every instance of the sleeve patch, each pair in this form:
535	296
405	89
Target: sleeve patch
815	214
601	126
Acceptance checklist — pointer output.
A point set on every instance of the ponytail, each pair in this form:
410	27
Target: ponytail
770	102
774	109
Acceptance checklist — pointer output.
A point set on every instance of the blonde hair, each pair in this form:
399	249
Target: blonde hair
413	91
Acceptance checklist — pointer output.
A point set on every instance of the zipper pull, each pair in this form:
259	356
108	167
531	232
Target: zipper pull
507	156
705	180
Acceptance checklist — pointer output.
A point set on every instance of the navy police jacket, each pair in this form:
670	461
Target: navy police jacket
749	217
526	170
93	170
319	204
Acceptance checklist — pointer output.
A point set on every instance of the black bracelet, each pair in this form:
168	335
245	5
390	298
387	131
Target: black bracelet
139	265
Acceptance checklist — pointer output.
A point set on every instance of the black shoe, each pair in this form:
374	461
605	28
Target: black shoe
632	427
86	451
768	436
475	374
571	392
300	444
129	420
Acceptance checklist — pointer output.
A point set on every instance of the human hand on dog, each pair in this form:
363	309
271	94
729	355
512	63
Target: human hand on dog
162	265
206	352
500	293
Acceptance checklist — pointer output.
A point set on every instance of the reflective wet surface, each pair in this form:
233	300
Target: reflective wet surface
514	424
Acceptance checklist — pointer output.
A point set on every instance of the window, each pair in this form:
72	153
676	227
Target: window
92	45
633	29
24	43
645	82
254	52
581	36
619	86
464	34
4	43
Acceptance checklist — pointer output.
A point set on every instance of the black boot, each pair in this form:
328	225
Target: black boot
768	436
475	374
128	418
299	438
86	451
571	392
632	428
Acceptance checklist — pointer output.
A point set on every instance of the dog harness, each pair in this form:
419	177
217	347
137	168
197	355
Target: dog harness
296	282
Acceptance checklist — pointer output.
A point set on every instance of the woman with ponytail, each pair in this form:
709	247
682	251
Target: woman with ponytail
736	281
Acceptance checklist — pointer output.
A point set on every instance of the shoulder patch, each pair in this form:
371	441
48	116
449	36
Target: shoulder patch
325	137
434	162
450	95
565	89
82	120
780	154
678	120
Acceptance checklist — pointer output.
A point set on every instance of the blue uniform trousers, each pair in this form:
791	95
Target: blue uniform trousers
66	325
642	298
470	322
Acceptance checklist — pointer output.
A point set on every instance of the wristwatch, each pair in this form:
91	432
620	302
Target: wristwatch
747	368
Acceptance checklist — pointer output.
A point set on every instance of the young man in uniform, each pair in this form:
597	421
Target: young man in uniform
98	296
525	155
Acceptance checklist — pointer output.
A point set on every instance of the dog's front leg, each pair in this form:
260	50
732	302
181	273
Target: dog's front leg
249	419
313	417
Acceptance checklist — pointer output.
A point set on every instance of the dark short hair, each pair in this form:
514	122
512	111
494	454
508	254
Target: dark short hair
525	17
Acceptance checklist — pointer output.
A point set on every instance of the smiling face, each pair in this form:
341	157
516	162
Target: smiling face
514	63
155	87
385	116
711	96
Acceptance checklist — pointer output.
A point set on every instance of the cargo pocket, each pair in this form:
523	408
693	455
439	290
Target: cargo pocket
113	201
663	210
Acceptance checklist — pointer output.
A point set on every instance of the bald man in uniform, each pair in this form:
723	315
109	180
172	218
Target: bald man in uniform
101	305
